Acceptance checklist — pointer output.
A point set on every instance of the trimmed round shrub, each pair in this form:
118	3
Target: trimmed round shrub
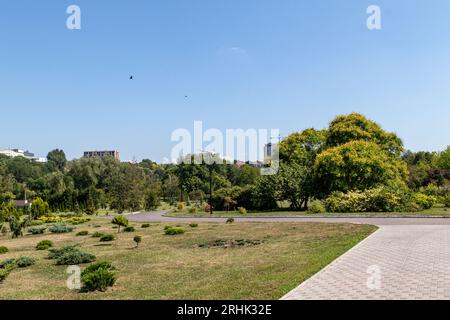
60	228
120	221
171	231
316	206
193	225
107	238
70	255
37	230
44	245
98	277
24	262
242	210
3	250
145	225
97	234
82	233
137	239
181	206
129	229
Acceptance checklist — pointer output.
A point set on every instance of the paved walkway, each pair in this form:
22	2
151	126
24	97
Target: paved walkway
159	216
396	262
407	258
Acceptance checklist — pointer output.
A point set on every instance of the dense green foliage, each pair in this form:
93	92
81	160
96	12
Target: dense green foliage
70	255
98	277
351	156
44	245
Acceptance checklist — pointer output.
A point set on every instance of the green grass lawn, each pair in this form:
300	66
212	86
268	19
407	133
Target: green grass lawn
175	267
437	211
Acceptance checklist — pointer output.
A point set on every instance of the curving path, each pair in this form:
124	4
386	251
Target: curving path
160	216
407	258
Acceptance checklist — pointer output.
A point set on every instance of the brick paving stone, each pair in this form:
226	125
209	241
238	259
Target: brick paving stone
413	260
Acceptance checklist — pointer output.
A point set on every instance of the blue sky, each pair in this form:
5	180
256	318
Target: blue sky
285	64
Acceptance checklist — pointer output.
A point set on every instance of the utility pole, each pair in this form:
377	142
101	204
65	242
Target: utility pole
210	189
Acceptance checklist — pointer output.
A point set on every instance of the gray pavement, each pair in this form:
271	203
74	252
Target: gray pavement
407	258
398	262
160	216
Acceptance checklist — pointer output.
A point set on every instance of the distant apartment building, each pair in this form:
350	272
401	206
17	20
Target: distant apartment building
21	153
102	154
268	150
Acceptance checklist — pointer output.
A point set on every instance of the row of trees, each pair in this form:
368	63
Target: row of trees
352	154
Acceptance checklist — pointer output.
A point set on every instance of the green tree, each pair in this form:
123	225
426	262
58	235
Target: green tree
56	160
357	165
352	127
291	182
120	221
39	208
442	159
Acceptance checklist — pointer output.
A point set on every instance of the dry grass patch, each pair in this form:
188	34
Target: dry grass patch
175	267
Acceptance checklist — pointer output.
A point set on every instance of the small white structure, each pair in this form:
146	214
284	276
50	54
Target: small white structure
21	153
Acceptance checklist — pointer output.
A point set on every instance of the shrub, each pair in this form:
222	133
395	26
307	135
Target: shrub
4	273
120	221
3	250
381	199
98	277
39	208
97	234
425	201
3	230
82	233
242	210
137	239
146	225
44	245
193	210
447	201
78	220
50	219
16	226
129	229
36	230
171	231
96	266
107	238
70	255
6	269
24	262
7	263
193	225
60	228
316	206
36	223
230	220
180	206
207	208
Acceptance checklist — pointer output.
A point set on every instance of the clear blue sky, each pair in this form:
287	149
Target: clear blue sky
286	64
